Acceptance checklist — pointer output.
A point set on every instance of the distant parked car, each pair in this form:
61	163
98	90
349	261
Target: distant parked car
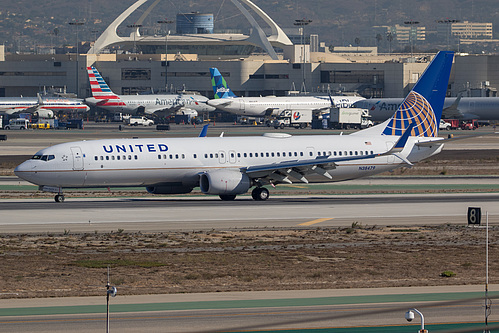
136	121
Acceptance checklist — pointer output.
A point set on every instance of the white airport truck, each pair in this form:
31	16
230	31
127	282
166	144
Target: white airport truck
296	119
138	120
349	118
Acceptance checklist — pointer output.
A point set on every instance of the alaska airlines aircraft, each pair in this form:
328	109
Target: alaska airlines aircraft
103	97
43	106
464	108
226	100
230	166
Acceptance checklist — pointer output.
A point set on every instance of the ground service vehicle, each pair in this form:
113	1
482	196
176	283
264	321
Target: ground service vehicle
444	125
470	125
17	124
349	118
136	121
454	123
296	119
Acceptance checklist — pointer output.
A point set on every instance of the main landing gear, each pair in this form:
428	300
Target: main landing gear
260	194
59	198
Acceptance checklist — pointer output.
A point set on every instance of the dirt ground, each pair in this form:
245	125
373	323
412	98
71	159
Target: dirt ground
51	265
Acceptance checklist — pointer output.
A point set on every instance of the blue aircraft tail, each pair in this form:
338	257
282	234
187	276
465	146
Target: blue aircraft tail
220	87
423	105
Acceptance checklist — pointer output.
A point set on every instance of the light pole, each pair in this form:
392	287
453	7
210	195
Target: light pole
409	316
412	23
302	23
111	291
449	29
166	22
136	27
77	24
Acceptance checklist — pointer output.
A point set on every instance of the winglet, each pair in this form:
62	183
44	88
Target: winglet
204	131
40	100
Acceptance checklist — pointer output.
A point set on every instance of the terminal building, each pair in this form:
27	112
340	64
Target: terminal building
262	62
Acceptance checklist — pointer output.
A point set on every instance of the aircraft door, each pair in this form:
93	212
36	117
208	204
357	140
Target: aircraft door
77	158
241	104
221	157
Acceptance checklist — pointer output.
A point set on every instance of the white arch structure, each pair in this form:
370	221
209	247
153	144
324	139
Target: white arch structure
258	38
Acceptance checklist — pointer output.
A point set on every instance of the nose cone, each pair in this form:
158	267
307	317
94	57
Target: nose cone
26	171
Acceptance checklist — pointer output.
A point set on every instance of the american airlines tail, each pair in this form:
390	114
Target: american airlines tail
422	108
101	91
220	87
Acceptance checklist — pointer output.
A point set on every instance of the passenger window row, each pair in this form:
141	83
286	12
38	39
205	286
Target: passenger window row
117	157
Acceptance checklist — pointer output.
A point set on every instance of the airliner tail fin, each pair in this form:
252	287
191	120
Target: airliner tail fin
220	87
423	105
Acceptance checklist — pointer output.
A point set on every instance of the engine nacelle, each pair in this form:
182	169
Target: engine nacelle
169	189
44	113
225	182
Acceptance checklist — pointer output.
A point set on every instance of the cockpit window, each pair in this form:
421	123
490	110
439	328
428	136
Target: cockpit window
43	157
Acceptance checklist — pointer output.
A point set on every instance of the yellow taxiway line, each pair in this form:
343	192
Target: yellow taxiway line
316	221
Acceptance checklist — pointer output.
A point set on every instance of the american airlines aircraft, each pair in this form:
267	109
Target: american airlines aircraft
103	97
464	108
230	166
44	107
226	100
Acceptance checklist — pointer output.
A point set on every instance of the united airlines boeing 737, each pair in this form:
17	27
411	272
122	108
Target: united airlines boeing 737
230	166
226	100
103	97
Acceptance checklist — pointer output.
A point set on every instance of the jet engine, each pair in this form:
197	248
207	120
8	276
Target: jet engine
44	113
224	182
169	189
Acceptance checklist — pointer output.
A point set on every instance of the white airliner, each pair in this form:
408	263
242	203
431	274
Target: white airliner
464	108
230	166
44	107
103	97
226	100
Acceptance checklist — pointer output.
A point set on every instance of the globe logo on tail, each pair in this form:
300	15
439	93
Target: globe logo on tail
415	109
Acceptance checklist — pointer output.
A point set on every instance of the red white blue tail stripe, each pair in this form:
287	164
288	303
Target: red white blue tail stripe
100	89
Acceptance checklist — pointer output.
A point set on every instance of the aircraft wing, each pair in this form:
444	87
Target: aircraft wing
280	172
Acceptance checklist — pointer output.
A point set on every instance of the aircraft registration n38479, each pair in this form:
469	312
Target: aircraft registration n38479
230	166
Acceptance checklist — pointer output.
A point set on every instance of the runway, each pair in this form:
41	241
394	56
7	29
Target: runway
208	212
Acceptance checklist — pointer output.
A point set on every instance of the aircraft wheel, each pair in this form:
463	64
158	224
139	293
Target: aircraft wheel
59	198
228	197
260	194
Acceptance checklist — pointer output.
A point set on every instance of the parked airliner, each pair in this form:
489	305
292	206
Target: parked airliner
226	100
464	108
44	107
230	166
165	104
